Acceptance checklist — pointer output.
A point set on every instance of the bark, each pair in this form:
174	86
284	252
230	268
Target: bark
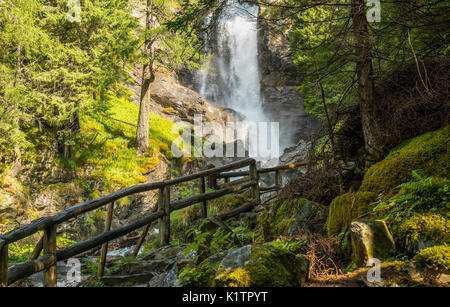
365	74
148	76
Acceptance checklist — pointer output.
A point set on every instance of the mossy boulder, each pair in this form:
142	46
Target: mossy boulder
291	215
427	153
345	208
422	231
261	266
284	227
370	240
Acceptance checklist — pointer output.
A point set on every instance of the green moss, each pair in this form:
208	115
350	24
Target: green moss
429	227
282	228
287	209
345	208
434	260
201	275
427	153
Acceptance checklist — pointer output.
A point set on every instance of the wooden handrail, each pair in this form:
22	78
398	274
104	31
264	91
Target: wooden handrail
42	223
48	224
263	170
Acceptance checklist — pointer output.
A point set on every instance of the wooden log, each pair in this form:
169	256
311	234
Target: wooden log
141	240
255	177
101	263
84	246
164	221
235	182
232	213
271	189
22	270
233	174
188	201
43	223
3	263
34	255
263	170
50	279
204	202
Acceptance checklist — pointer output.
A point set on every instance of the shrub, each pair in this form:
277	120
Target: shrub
434	260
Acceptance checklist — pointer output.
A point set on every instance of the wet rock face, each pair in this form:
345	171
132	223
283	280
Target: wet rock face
279	78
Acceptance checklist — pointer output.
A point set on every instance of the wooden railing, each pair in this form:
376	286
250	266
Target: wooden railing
47	244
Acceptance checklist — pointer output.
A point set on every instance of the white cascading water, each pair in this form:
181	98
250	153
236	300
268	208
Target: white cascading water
233	78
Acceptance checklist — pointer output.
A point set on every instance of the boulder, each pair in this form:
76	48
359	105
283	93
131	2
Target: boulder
261	266
370	240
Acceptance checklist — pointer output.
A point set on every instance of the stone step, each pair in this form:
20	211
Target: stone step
124	280
145	267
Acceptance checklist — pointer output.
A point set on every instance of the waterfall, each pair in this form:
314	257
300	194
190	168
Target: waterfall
233	79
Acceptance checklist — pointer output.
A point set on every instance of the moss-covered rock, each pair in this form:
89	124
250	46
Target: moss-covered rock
427	153
283	227
261	266
370	240
288	216
422	231
347	207
203	274
434	260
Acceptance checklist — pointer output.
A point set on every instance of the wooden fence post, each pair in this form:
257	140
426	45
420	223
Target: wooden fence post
255	176
3	264
164	222
141	240
205	202
102	262
50	278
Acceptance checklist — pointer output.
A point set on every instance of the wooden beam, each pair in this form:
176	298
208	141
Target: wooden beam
255	177
164	221
34	255
3	264
102	262
141	240
84	246
22	270
188	201
72	212
50	278
204	202
235	182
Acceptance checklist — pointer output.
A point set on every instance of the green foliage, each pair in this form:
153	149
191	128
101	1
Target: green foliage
427	154
343	209
89	267
288	245
19	252
201	275
207	243
434	260
68	63
420	194
430	227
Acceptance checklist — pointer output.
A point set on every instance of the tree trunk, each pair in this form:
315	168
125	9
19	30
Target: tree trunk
365	74
142	132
